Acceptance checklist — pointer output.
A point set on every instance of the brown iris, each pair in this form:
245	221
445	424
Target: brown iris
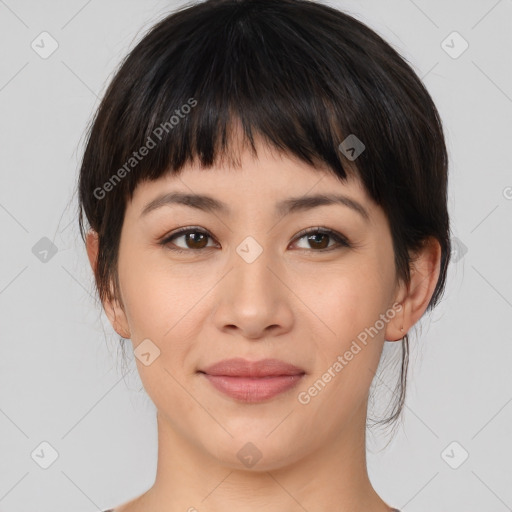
199	240
319	245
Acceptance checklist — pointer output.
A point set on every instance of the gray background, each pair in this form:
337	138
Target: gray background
61	378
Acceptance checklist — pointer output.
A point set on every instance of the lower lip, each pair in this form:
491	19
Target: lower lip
247	389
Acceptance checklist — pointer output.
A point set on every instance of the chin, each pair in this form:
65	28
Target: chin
255	451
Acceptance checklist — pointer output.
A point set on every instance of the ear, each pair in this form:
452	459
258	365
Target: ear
113	310
414	298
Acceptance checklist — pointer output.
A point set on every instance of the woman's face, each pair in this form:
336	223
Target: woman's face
247	284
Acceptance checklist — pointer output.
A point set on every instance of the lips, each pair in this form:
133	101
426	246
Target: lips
239	367
252	381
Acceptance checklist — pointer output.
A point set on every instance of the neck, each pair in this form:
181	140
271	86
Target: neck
333	477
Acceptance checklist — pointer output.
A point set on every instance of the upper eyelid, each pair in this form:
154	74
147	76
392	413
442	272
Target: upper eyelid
193	229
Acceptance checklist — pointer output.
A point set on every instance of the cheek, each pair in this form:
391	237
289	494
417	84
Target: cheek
158	296
349	302
346	299
150	303
162	306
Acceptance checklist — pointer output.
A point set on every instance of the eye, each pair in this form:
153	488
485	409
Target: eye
193	239
196	239
318	239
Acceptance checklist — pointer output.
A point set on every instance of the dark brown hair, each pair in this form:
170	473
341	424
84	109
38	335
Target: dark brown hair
299	74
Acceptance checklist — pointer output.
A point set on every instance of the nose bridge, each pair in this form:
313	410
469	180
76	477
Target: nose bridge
252	298
252	279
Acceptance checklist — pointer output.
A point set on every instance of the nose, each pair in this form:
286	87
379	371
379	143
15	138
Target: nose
253	299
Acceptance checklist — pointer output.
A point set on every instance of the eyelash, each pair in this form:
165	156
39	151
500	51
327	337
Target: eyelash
340	239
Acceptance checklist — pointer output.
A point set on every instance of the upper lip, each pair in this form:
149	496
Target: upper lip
239	367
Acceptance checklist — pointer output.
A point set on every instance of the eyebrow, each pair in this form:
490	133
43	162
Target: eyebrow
284	207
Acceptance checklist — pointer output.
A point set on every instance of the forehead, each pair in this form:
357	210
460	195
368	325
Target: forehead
271	178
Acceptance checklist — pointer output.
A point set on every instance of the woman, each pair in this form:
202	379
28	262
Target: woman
265	183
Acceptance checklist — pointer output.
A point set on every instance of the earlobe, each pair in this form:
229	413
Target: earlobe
425	269
113	310
117	318
396	328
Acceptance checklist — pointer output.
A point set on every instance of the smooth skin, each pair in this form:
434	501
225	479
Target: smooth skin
295	302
